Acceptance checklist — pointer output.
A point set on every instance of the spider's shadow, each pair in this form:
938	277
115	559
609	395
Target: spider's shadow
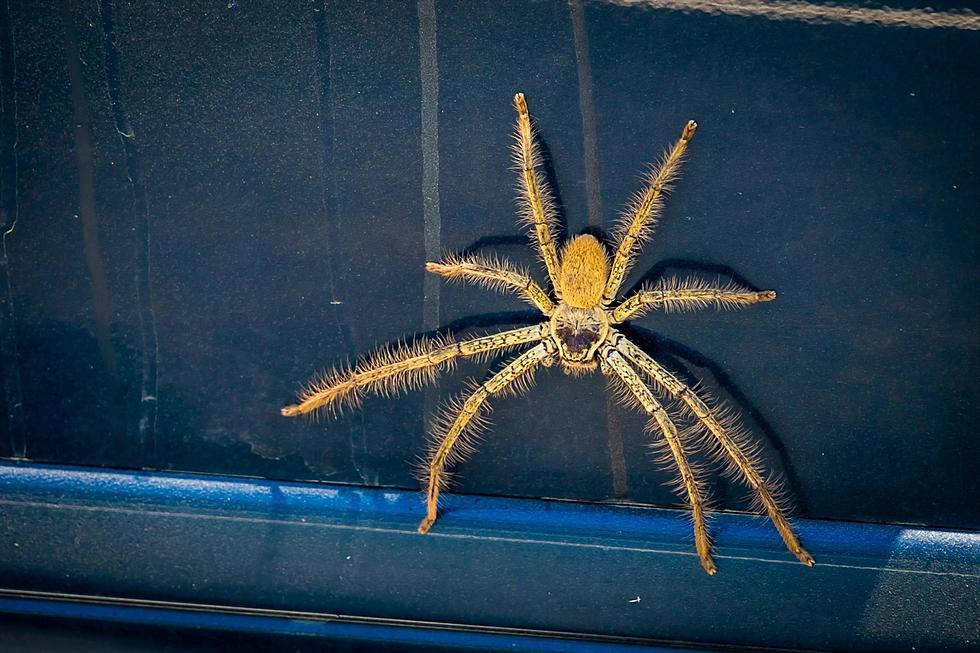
668	352
661	269
499	319
551	179
548	166
675	356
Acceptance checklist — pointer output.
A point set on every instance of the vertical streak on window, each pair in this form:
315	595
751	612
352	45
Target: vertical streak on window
614	428
429	72
328	198
327	194
429	75
146	425
9	358
91	249
587	109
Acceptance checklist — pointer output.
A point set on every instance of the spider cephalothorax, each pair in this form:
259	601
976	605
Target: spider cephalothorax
579	334
579	325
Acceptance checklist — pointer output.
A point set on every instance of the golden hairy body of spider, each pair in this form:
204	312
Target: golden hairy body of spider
578	335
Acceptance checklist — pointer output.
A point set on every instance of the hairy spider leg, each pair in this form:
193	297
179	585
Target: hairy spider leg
537	205
391	370
688	295
493	274
642	394
638	222
513	373
681	392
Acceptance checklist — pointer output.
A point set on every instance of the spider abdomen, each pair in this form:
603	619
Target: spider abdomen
584	269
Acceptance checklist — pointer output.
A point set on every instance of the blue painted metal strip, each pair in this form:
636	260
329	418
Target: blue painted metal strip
332	630
399	510
595	570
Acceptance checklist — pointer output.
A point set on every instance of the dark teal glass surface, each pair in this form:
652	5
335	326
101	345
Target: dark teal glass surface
207	203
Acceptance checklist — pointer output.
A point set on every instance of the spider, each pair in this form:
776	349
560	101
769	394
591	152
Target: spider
580	335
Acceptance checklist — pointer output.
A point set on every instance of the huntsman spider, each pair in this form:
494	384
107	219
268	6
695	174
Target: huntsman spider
580	335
